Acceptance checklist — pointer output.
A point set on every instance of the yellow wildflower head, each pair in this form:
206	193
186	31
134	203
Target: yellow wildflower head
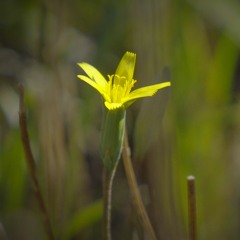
117	90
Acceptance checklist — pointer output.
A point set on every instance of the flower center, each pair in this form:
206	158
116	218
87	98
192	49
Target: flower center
119	87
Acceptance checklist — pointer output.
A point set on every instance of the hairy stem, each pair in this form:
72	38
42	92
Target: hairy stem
107	201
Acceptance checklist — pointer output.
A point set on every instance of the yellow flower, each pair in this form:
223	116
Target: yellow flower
117	90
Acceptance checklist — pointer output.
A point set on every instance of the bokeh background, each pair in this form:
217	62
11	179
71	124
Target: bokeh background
191	128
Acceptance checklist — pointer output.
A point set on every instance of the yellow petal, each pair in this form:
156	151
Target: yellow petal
93	73
98	87
145	91
126	66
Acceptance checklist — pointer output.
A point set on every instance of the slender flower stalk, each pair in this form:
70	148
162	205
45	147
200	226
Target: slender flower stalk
118	95
107	201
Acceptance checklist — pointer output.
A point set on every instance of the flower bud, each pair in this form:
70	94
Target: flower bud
112	136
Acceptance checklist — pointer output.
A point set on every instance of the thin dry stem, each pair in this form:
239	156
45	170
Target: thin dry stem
192	208
31	163
137	200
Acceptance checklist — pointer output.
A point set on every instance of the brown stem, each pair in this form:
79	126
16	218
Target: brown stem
31	163
107	202
136	196
192	208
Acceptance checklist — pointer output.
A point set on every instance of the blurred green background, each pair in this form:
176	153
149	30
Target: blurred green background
191	128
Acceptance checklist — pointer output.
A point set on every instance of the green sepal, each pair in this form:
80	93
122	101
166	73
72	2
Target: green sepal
112	136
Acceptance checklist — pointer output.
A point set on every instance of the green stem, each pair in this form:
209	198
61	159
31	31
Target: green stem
107	201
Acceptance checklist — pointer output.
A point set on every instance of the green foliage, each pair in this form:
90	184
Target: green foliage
12	173
84	218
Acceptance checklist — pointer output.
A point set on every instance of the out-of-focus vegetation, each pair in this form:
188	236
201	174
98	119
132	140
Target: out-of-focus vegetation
192	129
